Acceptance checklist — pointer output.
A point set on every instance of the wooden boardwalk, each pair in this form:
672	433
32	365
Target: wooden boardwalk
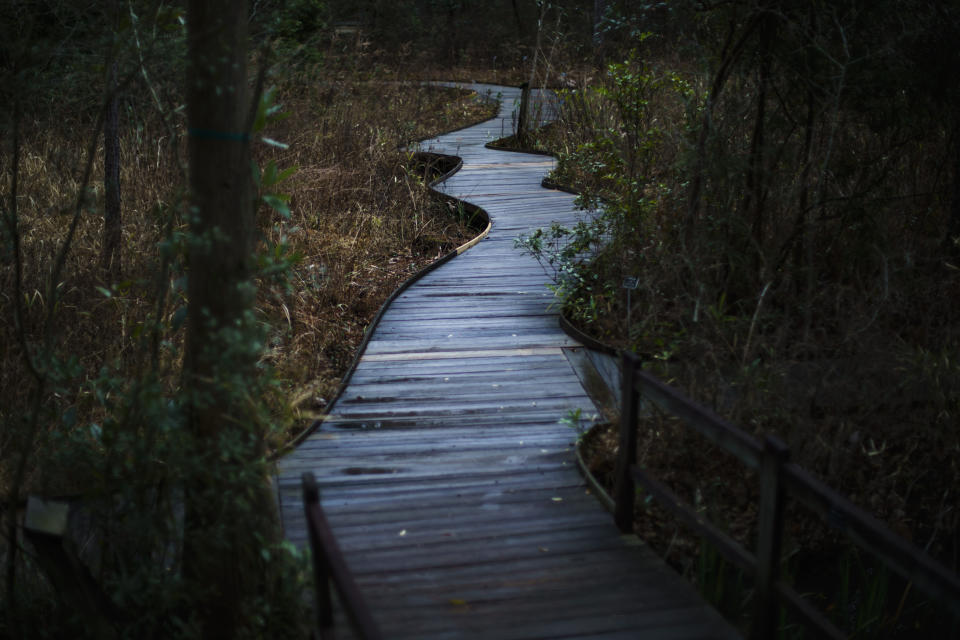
444	472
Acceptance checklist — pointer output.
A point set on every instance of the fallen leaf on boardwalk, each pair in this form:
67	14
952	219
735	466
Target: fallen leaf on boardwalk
544	549
457	602
402	533
557	499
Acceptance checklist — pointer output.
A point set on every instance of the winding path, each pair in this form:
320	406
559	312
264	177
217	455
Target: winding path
446	476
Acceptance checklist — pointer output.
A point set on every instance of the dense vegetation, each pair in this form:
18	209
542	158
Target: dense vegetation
784	181
95	406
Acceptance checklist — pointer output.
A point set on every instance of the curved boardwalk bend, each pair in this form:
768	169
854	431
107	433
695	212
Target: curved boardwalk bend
446	477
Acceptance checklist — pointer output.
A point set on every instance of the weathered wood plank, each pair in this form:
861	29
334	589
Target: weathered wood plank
504	351
534	420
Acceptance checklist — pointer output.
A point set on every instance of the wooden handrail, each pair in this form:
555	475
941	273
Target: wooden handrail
734	553
330	566
727	546
870	534
778	477
716	429
624	490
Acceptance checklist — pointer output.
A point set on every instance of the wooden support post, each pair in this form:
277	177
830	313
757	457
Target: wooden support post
624	489
329	566
775	455
321	573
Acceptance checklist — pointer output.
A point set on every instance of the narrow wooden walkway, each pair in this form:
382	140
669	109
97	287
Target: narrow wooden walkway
445	474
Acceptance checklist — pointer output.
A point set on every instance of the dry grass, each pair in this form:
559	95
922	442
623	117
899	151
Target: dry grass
365	220
361	222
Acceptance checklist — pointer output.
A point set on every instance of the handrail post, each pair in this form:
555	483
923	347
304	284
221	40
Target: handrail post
624	490
769	537
321	573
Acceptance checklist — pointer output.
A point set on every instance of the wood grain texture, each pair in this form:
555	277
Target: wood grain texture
445	474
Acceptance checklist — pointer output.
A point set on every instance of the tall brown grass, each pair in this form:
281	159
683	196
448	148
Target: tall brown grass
362	220
366	220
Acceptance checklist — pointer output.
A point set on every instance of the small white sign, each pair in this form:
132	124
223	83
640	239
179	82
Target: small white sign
46	516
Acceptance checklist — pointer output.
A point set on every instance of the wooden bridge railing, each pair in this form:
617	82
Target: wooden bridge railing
329	566
778	477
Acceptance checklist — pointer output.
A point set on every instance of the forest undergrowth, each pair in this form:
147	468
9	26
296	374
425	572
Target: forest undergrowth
344	217
360	220
793	269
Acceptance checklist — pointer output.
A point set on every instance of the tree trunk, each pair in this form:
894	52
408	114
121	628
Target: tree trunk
452	37
522	112
803	228
111	256
521	32
952	240
731	54
523	118
753	205
599	10
218	358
